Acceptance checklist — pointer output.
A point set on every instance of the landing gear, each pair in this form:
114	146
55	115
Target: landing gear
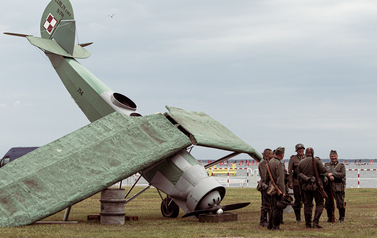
169	208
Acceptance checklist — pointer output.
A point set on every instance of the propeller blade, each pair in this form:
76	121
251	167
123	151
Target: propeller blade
234	206
214	209
198	212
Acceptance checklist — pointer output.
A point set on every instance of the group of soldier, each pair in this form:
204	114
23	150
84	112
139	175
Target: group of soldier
309	179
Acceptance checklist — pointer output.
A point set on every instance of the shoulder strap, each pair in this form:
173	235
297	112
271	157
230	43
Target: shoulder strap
317	176
272	180
315	169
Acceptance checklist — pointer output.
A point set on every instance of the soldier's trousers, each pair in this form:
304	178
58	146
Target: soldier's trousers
265	208
297	195
276	214
339	198
308	202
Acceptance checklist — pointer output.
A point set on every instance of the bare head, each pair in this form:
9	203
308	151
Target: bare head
309	152
267	153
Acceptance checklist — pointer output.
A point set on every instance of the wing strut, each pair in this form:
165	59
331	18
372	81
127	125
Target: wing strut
137	194
132	186
221	159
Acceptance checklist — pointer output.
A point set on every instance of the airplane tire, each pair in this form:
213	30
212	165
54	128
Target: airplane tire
169	208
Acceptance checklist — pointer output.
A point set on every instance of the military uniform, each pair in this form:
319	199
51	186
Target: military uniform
306	167
266	199
278	174
293	180
338	170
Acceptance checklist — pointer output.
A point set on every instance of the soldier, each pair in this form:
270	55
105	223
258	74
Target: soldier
293	181
309	187
335	188
262	187
277	170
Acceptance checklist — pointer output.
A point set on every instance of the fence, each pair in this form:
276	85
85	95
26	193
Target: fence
242	181
358	175
252	177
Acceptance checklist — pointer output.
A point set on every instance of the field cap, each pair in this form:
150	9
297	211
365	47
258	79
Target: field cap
280	150
333	152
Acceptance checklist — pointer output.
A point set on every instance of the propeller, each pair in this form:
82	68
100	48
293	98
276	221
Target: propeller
216	208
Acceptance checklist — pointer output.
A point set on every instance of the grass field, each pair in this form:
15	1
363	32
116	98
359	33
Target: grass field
361	220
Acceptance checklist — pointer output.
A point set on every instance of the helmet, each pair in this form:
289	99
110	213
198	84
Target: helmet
299	146
281	204
288	199
284	203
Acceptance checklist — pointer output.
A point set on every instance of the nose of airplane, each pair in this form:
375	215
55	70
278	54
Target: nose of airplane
212	199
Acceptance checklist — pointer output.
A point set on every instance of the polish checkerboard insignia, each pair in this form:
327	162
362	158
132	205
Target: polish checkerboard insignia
50	23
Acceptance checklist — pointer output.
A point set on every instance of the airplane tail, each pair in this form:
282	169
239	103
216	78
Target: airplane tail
58	22
58	30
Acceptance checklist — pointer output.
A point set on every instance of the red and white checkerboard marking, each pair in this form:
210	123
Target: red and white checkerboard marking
50	23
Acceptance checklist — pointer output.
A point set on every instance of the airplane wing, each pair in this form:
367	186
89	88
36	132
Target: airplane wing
82	163
205	131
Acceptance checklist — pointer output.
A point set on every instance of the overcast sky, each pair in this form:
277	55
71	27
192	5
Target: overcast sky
276	73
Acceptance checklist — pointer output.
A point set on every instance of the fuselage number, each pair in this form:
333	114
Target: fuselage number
80	91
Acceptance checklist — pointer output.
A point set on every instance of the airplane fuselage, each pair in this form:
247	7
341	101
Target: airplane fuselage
94	98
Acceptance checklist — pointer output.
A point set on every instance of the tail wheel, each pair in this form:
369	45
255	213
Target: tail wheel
169	208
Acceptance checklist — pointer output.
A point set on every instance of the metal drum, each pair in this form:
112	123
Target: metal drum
112	206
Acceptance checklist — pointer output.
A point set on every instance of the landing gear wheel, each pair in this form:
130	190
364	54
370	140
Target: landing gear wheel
169	208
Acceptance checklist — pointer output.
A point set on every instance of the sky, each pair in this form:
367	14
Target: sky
275	72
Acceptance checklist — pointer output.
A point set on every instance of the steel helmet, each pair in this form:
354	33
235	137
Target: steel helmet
299	146
284	203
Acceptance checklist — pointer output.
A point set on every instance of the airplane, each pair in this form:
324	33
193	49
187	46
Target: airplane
117	143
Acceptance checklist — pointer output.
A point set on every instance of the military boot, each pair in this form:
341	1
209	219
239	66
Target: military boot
342	213
329	215
308	220
317	215
298	215
263	219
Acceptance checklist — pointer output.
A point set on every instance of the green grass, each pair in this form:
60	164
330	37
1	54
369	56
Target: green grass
361	220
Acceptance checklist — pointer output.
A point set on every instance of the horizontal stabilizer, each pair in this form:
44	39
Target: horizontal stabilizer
53	47
85	44
16	34
83	163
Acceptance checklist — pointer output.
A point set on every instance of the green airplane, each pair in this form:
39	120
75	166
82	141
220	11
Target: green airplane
118	143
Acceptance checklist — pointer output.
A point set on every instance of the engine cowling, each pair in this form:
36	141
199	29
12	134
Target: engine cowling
121	103
186	181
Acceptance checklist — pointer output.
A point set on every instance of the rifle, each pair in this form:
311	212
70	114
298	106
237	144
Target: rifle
272	180
333	203
321	190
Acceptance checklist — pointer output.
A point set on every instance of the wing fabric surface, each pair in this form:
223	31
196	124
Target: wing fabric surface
82	163
206	131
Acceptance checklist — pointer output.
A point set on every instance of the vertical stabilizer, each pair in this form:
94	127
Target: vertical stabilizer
58	22
65	35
